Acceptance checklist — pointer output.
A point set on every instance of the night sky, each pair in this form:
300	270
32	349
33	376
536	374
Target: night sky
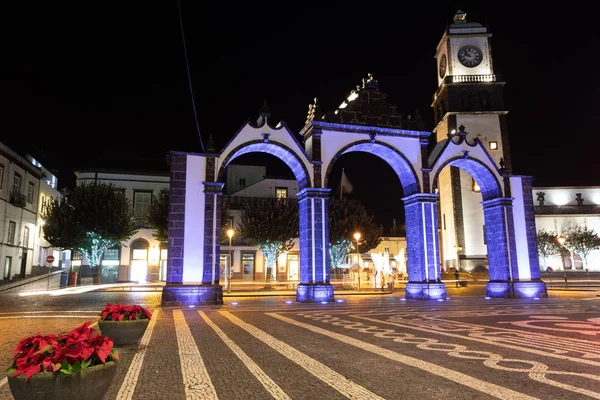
104	84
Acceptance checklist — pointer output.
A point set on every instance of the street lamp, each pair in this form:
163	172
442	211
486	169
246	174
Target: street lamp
230	233
357	238
561	240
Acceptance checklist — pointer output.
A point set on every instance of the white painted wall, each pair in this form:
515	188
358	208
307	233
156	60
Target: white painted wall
487	127
562	196
266	188
193	245
473	218
484	68
520	228
250	173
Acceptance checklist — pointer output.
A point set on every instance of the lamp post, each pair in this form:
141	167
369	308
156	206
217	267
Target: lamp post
357	238
561	240
230	233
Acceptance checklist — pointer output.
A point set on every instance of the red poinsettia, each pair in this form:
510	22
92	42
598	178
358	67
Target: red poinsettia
68	353
120	312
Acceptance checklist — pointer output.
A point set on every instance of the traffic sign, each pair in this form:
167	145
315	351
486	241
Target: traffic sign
50	259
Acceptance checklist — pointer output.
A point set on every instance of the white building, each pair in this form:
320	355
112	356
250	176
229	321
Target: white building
142	258
24	187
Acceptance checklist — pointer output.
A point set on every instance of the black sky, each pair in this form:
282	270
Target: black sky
95	84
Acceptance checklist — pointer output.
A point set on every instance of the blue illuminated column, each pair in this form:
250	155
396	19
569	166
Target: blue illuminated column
212	232
529	283
501	248
422	247
314	246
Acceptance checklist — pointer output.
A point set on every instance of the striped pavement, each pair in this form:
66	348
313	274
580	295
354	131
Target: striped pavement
409	351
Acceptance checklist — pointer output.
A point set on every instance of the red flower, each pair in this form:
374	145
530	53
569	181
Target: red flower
47	353
120	312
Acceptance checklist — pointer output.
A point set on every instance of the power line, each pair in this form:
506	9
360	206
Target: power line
187	65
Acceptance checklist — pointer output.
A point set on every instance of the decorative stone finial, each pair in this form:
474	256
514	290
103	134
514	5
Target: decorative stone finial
210	146
265	110
370	82
313	111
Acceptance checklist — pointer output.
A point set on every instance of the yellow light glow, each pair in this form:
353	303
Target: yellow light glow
230	233
343	105
561	239
352	96
494	145
357	236
42	223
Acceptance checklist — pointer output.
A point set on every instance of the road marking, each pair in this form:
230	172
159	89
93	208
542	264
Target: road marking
130	382
316	368
196	381
454	376
270	385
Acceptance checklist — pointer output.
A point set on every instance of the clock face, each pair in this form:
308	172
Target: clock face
443	66
470	56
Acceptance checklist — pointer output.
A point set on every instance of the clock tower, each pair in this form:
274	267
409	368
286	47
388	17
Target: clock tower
469	94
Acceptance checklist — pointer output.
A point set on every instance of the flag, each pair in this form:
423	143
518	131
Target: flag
345	185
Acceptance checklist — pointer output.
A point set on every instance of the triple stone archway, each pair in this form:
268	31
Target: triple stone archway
196	184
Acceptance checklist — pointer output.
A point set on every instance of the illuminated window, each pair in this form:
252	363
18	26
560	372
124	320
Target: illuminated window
493	145
281	192
476	187
26	237
141	203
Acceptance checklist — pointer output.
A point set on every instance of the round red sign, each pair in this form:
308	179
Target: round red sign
50	259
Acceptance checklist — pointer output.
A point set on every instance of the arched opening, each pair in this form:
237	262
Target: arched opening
473	220
380	177
139	261
249	173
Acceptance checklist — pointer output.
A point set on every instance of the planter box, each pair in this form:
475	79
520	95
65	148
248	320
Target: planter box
91	383
124	333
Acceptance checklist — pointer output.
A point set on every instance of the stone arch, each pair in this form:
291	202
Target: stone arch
399	163
483	175
279	150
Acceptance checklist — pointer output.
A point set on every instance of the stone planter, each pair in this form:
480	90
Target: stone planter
124	333
89	384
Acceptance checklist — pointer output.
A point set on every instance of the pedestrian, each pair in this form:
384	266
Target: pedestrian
382	279
456	276
391	281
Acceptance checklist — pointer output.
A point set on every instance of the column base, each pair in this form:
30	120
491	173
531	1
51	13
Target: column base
519	290
314	292
191	295
530	289
425	291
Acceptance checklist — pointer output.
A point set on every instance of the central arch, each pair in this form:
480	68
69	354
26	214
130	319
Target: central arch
399	163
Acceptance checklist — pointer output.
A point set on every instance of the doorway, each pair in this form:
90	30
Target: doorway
24	264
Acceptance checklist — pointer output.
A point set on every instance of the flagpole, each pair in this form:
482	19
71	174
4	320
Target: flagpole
342	183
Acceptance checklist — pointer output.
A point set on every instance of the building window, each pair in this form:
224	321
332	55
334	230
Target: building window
493	145
476	187
12	226
444	220
17	184
281	192
242	181
26	237
30	190
141	203
1	175
7	265
112	255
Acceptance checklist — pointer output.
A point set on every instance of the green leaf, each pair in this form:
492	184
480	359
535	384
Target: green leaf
10	371
66	371
86	363
76	367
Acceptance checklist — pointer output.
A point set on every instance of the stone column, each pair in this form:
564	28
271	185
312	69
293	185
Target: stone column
500	238
529	283
314	246
423	247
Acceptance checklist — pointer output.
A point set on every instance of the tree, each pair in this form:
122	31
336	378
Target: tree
157	216
90	218
271	224
226	217
548	246
582	241
347	216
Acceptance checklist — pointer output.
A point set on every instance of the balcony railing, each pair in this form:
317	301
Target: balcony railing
18	199
473	78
